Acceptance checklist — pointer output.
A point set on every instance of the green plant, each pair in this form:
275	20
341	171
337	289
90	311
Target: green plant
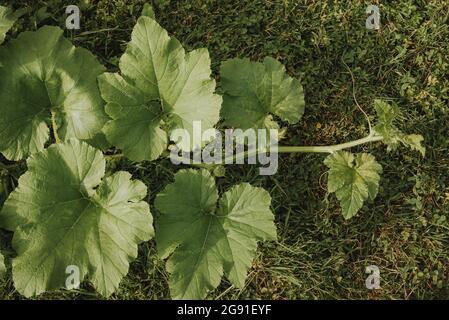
204	236
158	85
65	212
57	89
152	95
7	19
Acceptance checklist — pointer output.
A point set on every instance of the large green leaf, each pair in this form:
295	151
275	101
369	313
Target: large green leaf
387	114
204	239
65	213
254	92
46	74
353	179
160	88
7	19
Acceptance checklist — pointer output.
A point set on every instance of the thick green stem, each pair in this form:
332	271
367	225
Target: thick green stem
329	149
300	149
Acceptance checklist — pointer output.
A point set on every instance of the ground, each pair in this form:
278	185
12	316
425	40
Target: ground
319	255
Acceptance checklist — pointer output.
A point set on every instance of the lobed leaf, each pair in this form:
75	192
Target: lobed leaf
160	88
46	74
204	240
65	212
254	92
354	179
387	115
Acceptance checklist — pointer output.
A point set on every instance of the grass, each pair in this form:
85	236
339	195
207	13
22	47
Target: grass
405	231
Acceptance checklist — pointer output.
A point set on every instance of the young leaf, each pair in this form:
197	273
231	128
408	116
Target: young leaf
254	92
7	19
44	75
387	114
160	88
148	11
352	182
65	213
203	240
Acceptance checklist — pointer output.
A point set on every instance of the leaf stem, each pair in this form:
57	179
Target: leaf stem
373	137
301	149
54	127
331	148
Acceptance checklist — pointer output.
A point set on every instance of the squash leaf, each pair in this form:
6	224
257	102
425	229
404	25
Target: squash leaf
160	88
66	213
387	114
354	179
204	240
46	75
254	92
